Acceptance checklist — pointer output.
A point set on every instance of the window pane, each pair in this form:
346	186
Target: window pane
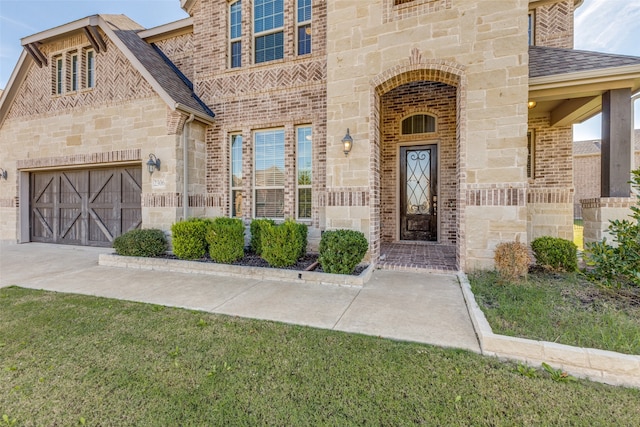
304	39
270	203
74	72
59	76
236	54
90	69
236	20
269	47
304	10
419	123
268	15
236	203
304	203
236	160
304	156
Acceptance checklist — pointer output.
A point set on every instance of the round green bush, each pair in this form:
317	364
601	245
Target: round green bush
149	242
189	238
555	253
225	237
256	233
283	245
342	250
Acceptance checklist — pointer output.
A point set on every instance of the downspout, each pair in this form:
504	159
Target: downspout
185	165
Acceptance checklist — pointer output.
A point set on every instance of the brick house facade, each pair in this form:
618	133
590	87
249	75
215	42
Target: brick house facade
461	129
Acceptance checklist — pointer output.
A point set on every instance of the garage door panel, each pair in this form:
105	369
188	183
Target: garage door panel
85	207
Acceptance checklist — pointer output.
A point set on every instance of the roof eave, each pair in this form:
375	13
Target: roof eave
163	31
600	75
204	118
61	30
18	74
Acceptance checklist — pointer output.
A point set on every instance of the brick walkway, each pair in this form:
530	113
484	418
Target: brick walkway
418	256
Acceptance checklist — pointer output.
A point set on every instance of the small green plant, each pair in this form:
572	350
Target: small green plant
283	245
189	238
554	253
557	375
512	260
226	240
8	421
144	243
256	228
342	250
618	263
527	371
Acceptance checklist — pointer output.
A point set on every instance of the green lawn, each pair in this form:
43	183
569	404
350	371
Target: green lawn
71	360
563	308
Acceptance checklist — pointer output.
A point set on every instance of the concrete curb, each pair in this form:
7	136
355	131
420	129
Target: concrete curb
258	273
597	365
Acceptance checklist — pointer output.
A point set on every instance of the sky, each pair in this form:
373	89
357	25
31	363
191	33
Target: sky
611	26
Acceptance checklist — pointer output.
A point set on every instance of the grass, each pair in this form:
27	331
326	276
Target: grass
563	308
578	234
79	360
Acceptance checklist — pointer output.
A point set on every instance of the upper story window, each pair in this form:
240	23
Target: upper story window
532	28
58	75
304	27
75	75
90	64
235	34
418	123
268	29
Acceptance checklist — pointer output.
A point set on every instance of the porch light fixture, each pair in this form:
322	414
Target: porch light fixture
531	104
347	141
3	174
153	163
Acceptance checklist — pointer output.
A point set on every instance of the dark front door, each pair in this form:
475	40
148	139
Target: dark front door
418	193
85	207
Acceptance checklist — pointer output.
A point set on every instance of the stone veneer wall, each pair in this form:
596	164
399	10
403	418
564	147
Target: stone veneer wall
119	121
554	25
550	194
597	212
477	47
439	100
279	94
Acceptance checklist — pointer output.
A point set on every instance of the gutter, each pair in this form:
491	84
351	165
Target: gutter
592	76
204	118
185	165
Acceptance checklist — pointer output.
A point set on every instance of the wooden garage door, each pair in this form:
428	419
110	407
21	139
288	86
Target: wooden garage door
84	207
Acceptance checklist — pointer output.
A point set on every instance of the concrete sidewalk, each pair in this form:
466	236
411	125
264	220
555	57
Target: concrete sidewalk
426	308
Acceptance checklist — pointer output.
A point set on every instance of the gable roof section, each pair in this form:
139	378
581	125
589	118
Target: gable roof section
548	61
156	68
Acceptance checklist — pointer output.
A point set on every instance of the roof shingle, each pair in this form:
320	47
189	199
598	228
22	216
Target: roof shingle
549	61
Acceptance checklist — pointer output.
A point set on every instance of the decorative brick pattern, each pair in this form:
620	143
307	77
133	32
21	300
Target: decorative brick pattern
175	122
400	9
81	159
550	195
554	25
116	80
347	197
496	197
607	202
179	50
162	200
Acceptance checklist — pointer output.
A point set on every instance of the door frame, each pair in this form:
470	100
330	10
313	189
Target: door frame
398	201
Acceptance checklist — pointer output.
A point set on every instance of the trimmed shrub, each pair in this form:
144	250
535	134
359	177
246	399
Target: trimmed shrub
554	253
256	233
284	244
226	240
512	260
342	250
150	242
190	238
618	263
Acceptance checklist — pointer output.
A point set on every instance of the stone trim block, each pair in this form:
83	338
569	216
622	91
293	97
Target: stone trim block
81	159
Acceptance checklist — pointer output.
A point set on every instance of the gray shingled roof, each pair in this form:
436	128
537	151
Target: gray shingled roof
160	68
549	61
593	146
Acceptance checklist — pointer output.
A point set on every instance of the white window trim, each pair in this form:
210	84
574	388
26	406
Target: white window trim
254	187
237	39
58	75
231	186
268	32
310	185
75	72
302	24
88	84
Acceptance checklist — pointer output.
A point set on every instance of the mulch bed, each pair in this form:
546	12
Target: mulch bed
250	259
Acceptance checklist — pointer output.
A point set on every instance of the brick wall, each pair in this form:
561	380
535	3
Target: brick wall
439	100
179	50
554	25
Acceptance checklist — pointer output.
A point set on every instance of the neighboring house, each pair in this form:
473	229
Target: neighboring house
460	113
586	170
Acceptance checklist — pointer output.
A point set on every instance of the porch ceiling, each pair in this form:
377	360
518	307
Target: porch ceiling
568	84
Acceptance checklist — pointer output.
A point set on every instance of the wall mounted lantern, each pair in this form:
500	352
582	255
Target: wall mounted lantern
347	141
153	163
3	174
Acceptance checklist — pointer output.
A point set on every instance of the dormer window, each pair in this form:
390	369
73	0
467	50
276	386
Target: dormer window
90	66
418	123
58	74
75	75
